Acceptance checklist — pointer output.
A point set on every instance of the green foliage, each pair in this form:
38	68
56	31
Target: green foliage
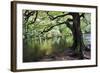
39	42
85	23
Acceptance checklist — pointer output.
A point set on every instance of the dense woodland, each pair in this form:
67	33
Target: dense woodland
56	35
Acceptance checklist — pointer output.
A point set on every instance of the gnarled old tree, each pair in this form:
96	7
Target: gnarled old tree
72	23
78	44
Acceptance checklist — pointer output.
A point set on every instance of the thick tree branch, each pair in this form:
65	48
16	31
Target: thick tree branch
50	28
36	15
85	20
65	22
27	14
68	24
53	18
82	15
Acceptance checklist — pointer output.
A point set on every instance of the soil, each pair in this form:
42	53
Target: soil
66	55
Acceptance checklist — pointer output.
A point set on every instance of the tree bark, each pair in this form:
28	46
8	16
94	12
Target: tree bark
77	36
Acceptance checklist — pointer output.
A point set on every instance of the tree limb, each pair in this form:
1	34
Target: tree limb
68	24
27	14
82	15
50	28
65	22
53	18
36	15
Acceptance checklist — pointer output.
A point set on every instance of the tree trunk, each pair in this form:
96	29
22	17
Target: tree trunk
77	36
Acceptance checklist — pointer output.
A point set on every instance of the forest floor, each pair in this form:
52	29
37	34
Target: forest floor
66	55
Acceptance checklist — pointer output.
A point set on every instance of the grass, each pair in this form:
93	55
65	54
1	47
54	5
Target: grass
36	49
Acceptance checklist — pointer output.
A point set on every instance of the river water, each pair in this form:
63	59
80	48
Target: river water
87	39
